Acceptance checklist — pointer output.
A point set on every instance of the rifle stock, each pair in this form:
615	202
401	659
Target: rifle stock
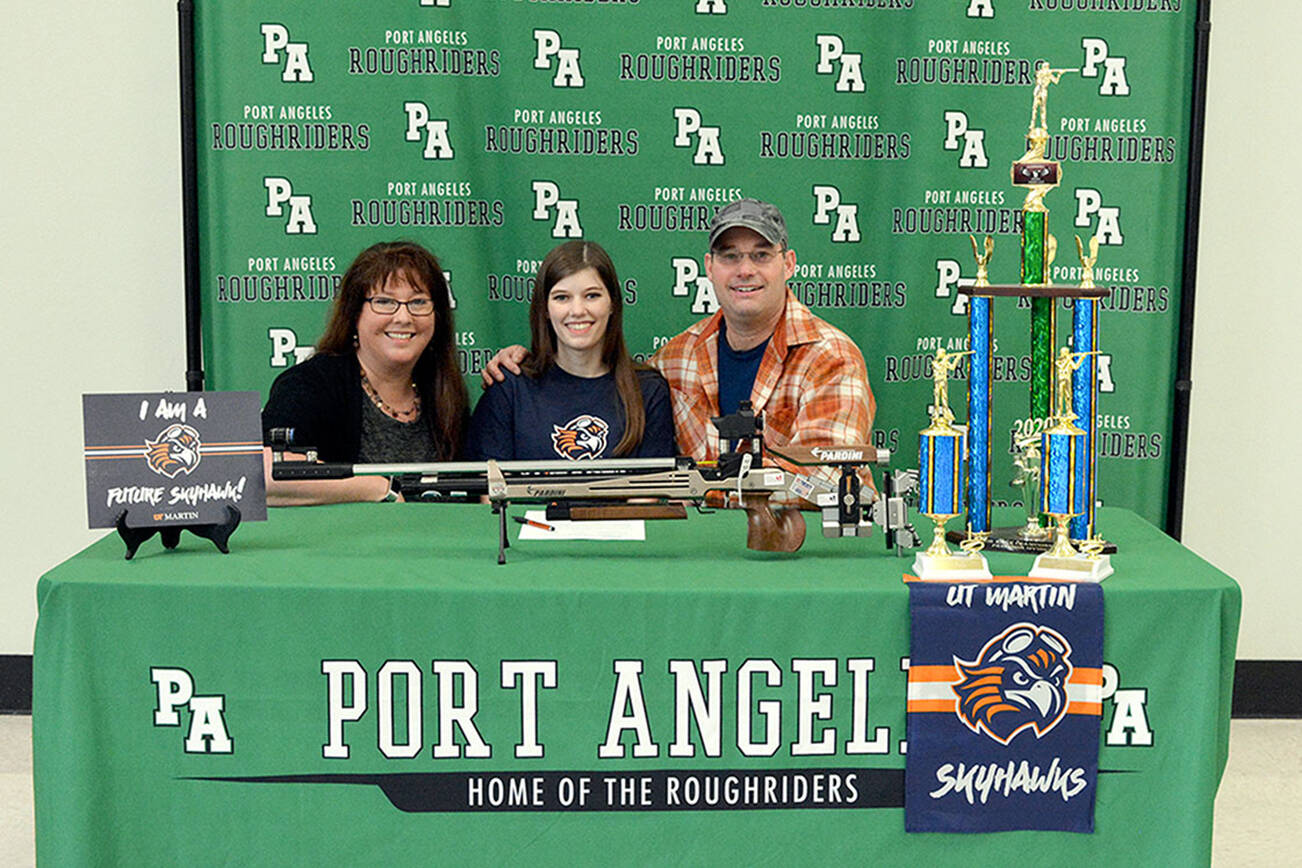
770	530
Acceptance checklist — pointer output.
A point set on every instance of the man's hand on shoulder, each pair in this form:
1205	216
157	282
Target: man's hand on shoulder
507	359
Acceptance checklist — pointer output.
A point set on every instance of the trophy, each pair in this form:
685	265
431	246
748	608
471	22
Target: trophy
941	478
1085	383
1063	488
1026	460
1038	175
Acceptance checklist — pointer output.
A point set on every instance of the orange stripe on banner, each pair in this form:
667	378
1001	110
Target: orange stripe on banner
1092	709
211	456
930	705
232	452
249	443
949	674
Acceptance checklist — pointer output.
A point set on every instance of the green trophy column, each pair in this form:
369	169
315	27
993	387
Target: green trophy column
1034	267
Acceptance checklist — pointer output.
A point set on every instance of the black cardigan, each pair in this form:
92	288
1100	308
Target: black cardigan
321	399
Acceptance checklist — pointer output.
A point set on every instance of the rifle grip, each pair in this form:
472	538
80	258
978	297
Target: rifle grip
769	530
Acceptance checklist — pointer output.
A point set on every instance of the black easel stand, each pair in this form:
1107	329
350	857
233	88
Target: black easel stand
219	533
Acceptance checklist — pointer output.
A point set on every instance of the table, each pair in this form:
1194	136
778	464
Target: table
144	669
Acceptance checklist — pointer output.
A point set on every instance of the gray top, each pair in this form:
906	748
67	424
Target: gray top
386	439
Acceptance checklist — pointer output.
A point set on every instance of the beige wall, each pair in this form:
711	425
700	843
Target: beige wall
1243	512
92	222
90	258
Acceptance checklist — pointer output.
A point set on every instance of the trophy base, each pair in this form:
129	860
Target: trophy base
1009	539
1077	569
933	568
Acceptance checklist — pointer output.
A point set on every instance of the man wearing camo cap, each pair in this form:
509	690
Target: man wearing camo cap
763	345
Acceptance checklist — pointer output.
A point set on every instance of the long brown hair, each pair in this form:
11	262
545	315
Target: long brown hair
564	260
437	374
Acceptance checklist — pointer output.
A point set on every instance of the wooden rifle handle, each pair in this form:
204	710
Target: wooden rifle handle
769	530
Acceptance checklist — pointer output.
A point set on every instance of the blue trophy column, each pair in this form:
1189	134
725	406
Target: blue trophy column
978	407
1084	391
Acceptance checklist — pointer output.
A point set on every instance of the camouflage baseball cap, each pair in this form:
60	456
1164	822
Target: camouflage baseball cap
760	216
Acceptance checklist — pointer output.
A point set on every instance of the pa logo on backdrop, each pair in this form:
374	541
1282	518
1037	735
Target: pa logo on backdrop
834	59
961	136
690	131
551	54
1089	204
290	56
280	193
564	213
285	350
1101	64
827	202
949	277
435	132
688	281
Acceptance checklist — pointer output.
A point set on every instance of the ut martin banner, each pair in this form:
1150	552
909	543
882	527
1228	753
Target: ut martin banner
1004	705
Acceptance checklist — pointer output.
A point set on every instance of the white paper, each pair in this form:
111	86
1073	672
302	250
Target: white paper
620	529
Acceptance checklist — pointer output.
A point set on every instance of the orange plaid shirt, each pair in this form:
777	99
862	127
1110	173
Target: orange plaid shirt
812	387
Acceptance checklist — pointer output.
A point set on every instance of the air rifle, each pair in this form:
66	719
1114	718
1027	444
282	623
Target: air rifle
590	489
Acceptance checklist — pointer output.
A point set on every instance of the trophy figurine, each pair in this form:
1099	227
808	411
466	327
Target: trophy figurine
1027	479
1037	132
941	480
1062	485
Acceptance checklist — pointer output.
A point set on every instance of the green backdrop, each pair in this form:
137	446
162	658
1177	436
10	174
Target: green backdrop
491	130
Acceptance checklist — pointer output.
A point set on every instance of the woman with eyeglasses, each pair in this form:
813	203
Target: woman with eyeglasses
579	395
383	386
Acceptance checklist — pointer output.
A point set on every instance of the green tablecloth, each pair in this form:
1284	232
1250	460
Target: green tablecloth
372	583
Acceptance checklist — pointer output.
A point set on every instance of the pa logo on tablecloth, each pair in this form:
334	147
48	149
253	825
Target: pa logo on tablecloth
1018	682
207	732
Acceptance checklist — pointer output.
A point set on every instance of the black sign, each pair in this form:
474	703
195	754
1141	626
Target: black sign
173	458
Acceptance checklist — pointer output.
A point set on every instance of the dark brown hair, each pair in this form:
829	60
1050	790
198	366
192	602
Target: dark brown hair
571	258
437	374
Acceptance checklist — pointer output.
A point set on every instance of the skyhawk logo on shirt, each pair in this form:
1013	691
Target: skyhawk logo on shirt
581	437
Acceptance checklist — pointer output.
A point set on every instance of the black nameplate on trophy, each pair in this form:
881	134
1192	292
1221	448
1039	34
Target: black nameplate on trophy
173	460
1036	174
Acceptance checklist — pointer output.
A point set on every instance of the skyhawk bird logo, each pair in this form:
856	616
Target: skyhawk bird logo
581	437
175	451
1017	682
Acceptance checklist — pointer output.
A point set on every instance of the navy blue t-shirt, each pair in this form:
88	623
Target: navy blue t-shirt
560	415
737	371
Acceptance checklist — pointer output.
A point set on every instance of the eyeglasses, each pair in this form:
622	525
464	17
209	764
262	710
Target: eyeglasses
421	305
760	257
